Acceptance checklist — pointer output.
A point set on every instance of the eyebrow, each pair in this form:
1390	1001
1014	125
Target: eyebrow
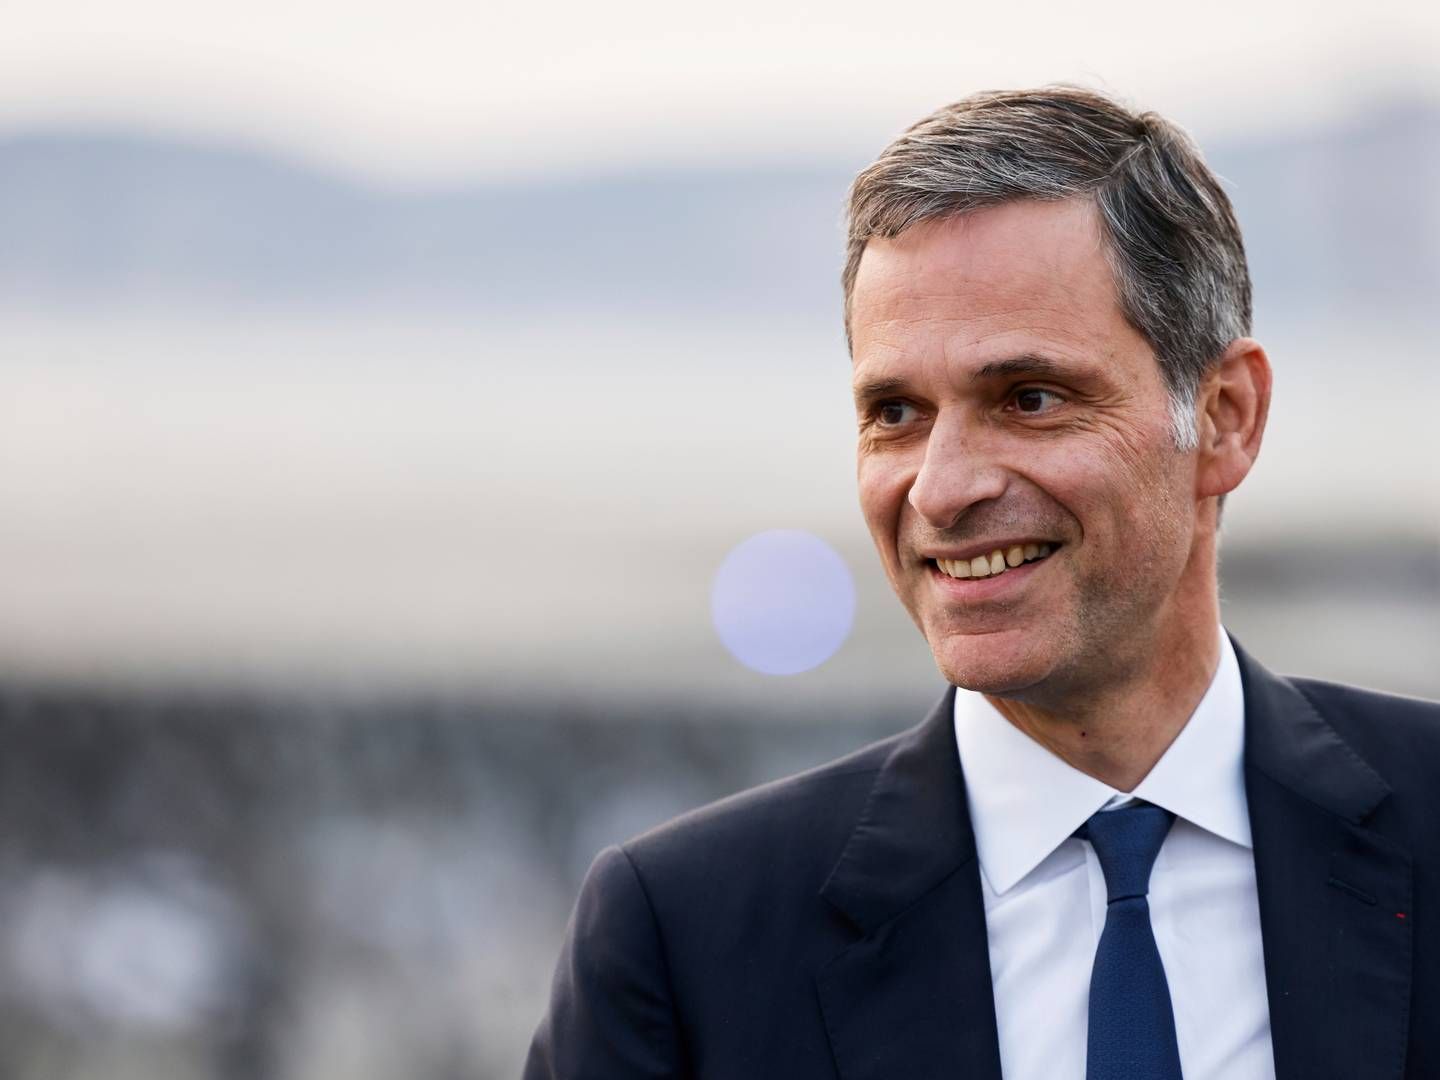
1026	364
873	389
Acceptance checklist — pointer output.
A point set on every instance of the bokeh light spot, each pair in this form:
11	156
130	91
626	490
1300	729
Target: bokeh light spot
783	601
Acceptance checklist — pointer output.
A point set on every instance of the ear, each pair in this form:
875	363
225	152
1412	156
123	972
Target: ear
1233	407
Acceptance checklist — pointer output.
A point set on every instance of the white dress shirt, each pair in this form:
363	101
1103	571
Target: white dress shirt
1045	893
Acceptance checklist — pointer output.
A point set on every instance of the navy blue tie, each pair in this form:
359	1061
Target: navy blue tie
1132	1024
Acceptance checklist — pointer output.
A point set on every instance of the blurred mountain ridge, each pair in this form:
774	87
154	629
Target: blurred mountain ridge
127	220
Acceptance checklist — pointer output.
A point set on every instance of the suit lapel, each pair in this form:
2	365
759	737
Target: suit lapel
912	997
1335	895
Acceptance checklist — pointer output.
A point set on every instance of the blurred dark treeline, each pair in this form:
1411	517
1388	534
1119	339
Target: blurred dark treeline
240	886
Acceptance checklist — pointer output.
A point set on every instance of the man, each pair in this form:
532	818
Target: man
1122	848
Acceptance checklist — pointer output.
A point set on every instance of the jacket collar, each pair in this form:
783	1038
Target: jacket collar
914	831
1291	743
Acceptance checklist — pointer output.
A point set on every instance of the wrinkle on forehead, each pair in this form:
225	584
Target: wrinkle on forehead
1044	254
1020	277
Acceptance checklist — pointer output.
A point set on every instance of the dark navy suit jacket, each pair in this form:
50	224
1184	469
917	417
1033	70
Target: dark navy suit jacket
831	925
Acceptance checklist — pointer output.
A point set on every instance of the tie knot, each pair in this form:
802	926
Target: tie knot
1126	842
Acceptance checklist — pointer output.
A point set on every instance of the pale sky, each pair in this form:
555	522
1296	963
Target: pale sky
434	89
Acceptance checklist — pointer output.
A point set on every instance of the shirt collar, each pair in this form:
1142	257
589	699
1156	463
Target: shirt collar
1025	802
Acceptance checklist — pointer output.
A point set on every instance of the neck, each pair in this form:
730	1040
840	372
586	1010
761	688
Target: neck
1116	731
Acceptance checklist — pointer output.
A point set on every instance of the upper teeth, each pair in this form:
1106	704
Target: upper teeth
997	562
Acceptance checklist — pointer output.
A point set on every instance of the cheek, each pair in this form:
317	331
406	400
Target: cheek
1121	491
1137	495
882	486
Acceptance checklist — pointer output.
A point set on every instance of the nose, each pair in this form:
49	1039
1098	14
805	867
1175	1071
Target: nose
959	470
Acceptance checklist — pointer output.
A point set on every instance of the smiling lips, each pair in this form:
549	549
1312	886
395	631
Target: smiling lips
997	562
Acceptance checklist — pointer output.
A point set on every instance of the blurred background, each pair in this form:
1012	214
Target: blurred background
382	388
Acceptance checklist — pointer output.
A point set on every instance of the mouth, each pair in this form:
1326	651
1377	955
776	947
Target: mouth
996	561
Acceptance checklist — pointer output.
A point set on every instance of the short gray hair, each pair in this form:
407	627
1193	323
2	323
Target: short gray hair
1171	233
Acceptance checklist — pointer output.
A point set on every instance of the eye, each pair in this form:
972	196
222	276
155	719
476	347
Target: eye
894	413
1032	400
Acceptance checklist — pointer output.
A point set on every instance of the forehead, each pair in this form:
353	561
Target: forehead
1025	276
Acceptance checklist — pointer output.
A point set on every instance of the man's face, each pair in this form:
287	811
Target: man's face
1005	403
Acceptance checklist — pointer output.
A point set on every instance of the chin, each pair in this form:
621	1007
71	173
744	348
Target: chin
1005	664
